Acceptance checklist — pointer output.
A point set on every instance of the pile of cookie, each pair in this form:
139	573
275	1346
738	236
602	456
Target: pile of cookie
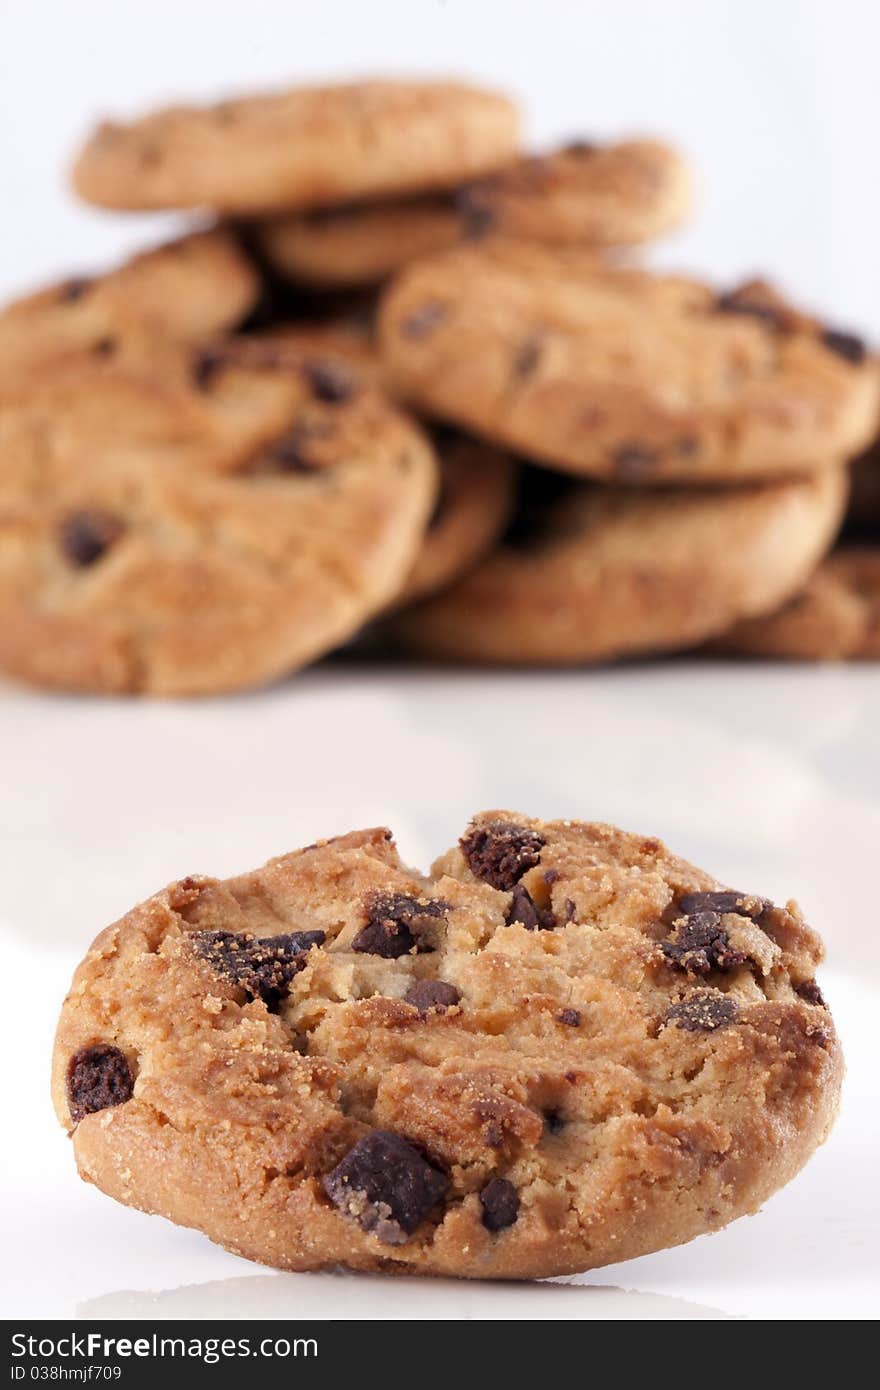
407	382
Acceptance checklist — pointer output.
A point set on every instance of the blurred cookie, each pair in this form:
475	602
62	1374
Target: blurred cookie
472	510
188	289
180	538
624	375
476	480
306	147
590	573
594	195
834	617
561	1048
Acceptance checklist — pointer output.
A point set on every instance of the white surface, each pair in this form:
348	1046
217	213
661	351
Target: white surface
766	777
778	105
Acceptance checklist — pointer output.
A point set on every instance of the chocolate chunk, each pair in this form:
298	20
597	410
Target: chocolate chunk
473	203
104	347
86	536
745	904
579	147
703	1013
570	1017
98	1077
331	381
395	922
501	852
525	910
528	356
386	1185
846	345
554	1121
570	910
73	290
425	995
424	320
810	992
206	367
500	1202
756	300
634	460
262	966
701	944
292	454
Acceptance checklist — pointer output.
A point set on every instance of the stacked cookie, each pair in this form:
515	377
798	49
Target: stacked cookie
401	380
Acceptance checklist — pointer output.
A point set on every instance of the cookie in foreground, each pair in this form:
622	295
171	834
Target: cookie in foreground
561	1048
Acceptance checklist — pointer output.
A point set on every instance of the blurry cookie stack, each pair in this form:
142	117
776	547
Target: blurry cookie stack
401	382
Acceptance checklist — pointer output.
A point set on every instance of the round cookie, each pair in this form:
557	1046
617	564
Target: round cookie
621	374
189	289
182	538
591	573
301	148
834	617
563	1047
613	195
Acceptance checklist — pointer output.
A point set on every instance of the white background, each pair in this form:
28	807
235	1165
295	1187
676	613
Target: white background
767	777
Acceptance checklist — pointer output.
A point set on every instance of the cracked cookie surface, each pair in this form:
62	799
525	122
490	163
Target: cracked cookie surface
561	1048
624	375
202	524
582	194
306	147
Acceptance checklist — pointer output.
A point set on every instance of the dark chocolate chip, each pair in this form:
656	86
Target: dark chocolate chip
87	535
292	454
104	347
262	966
386	1185
846	345
570	1017
425	995
810	992
634	460
752	301
395	923
703	1013
570	910
499	1200
554	1121
474	205
500	852
525	910
206	367
98	1077
579	147
701	944
745	904
527	357
424	320
331	381
73	290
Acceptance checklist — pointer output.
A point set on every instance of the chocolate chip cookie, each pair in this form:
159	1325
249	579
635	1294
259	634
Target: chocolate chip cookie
621	374
835	616
587	194
180	536
306	147
561	1048
588	572
476	488
186	290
